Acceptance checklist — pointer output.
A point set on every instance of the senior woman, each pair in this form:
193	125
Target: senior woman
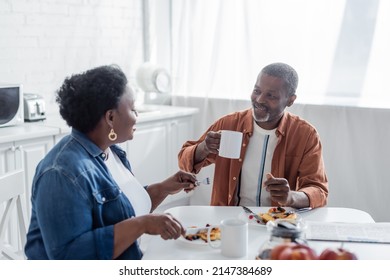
86	203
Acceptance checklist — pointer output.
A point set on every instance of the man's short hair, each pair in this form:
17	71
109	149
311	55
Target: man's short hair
285	72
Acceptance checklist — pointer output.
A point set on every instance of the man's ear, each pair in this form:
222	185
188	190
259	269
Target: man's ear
291	100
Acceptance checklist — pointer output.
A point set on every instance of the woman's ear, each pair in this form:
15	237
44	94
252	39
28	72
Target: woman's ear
109	117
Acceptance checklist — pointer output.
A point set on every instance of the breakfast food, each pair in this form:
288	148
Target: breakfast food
275	213
191	236
215	234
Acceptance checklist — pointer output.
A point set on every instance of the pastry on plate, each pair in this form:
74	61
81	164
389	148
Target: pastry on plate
275	213
215	234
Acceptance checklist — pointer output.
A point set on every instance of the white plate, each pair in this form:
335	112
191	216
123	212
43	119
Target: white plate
197	243
193	243
253	222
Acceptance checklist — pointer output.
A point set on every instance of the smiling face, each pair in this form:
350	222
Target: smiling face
269	99
125	117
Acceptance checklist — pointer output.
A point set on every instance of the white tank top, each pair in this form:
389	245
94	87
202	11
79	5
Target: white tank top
131	187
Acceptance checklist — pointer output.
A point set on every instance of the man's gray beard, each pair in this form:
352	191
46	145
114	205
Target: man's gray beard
261	120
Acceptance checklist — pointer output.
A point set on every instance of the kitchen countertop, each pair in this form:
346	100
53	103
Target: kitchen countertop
54	124
26	131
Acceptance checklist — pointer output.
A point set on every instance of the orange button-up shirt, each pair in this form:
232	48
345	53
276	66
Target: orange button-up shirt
297	157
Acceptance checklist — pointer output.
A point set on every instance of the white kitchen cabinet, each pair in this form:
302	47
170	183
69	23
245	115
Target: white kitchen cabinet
10	157
148	152
154	149
180	131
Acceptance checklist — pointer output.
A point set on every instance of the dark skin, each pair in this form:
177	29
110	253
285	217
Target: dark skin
269	100
123	120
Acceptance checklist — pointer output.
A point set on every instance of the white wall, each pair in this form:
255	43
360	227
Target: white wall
43	41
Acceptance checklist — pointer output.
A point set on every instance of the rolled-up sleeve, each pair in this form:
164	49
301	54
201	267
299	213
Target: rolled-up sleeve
313	180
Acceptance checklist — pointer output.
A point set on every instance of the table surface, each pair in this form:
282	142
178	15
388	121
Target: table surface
201	215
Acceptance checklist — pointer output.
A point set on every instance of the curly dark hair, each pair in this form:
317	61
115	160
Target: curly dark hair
84	98
285	72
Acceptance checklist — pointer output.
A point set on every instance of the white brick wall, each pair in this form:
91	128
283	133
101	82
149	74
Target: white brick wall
43	41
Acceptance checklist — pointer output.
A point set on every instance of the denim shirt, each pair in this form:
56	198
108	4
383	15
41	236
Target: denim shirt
75	204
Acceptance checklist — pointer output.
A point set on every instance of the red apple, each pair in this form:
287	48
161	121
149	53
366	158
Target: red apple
293	251
337	254
275	252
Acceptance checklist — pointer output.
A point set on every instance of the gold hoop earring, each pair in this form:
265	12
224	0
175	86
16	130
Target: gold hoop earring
112	135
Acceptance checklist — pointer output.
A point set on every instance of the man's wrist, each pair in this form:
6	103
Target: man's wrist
298	200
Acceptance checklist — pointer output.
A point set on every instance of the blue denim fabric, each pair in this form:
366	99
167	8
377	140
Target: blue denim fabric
75	204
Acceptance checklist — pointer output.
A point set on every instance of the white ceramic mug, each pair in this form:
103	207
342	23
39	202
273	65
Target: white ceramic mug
234	238
230	145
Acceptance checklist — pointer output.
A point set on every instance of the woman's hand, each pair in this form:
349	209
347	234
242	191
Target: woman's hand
128	231
174	184
180	181
164	225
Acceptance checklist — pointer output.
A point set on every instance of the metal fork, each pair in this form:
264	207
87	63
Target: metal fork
302	210
205	181
257	217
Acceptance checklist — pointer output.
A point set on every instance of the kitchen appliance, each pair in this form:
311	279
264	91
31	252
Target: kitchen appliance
11	104
155	81
34	107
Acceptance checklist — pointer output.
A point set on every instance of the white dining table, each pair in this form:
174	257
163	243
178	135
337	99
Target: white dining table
182	249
